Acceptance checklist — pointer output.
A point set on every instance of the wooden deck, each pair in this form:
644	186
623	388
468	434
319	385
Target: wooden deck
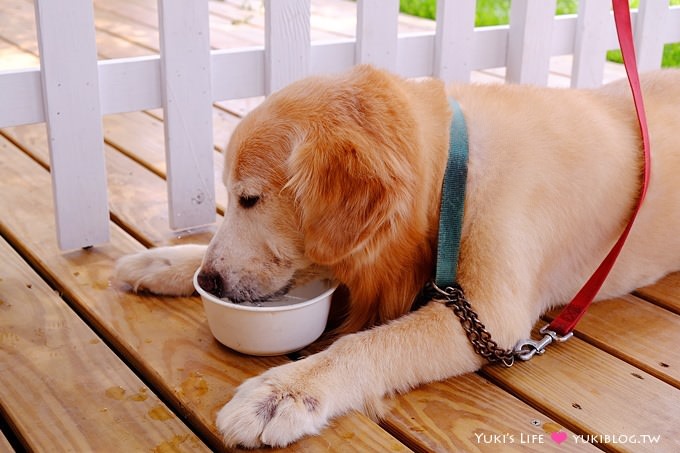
85	366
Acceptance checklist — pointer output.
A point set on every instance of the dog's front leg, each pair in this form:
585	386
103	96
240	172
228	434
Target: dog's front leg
355	373
163	270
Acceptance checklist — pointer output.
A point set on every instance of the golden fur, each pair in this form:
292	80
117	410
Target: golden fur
346	175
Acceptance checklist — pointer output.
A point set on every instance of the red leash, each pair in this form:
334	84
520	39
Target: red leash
572	313
562	326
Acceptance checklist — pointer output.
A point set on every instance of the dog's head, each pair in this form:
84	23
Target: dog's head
321	177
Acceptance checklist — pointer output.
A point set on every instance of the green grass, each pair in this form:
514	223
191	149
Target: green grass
496	12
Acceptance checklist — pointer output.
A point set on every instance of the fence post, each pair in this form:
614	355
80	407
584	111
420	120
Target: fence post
454	40
187	104
649	46
287	42
530	41
590	46
377	30
68	59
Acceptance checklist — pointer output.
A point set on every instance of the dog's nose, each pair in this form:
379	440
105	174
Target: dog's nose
211	282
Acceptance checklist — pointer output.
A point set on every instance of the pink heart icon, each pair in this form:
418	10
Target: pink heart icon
558	437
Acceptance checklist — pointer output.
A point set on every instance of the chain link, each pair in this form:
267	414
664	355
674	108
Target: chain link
480	338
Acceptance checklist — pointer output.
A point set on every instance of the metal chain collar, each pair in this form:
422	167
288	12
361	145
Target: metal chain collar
480	338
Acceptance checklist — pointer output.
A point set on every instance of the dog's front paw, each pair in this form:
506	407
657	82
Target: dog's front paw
163	270
275	409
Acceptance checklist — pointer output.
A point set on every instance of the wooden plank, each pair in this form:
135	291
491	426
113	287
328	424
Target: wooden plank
377	30
230	27
665	293
530	40
110	21
14	13
187	95
72	111
635	331
597	396
242	24
139	135
130	11
287	42
61	387
334	17
468	413
166	339
454	40
137	196
589	48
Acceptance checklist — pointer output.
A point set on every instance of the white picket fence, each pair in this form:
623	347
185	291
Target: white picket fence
72	90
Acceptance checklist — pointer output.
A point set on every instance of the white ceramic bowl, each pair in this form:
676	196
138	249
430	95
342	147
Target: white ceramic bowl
279	327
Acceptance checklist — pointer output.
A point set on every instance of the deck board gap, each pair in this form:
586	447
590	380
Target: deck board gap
20	47
227	110
115	10
23	251
138	236
561	419
625	356
10	434
5	40
398	434
657	302
123	38
630	360
24	149
132	156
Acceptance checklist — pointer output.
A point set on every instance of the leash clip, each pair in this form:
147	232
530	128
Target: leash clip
527	349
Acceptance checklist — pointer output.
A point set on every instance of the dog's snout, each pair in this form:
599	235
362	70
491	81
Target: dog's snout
211	282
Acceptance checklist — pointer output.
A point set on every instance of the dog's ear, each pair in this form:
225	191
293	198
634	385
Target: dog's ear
352	174
342	202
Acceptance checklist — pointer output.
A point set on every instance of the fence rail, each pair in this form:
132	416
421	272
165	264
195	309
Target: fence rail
72	90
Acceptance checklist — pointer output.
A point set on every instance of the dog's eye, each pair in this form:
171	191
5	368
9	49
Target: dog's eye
248	201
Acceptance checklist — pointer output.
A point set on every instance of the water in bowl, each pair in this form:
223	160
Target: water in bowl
281	301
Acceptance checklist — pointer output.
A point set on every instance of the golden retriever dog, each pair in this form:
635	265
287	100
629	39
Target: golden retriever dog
340	176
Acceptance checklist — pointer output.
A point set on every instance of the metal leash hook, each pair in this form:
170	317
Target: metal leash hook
480	338
526	349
